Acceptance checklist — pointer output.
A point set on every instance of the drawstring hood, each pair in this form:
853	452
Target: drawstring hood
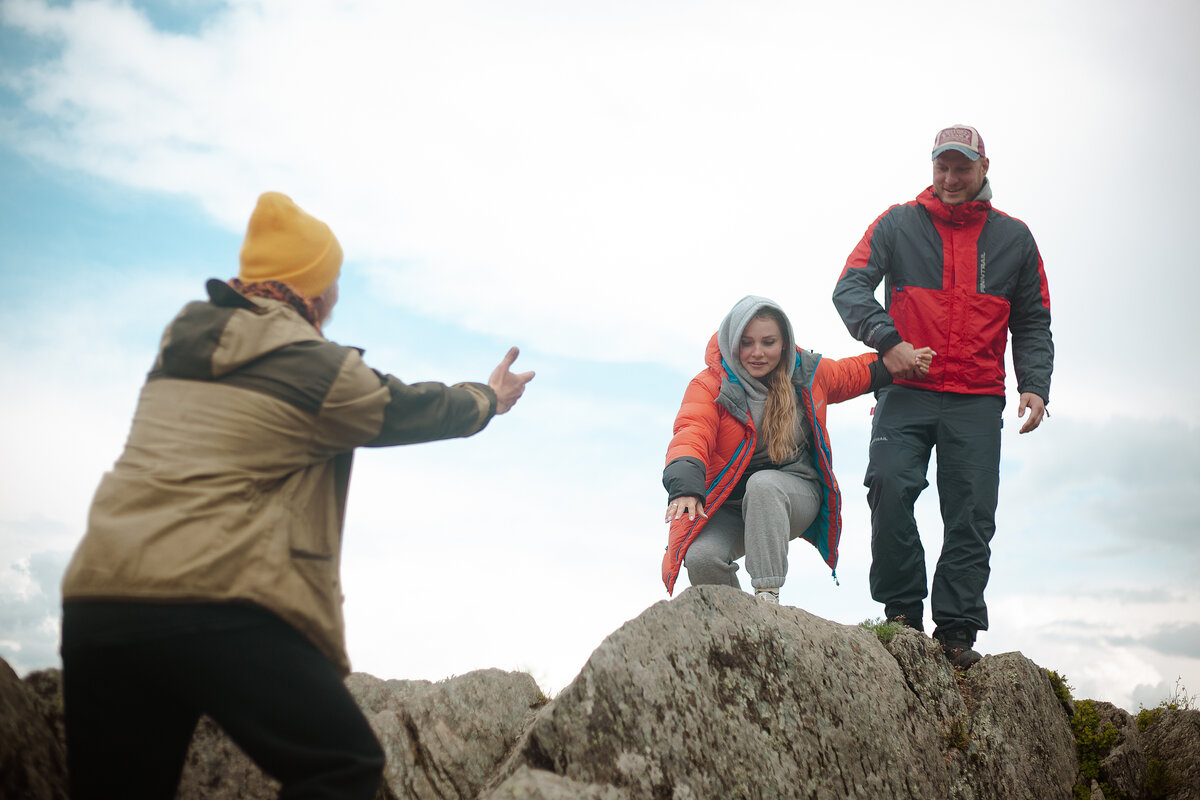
729	339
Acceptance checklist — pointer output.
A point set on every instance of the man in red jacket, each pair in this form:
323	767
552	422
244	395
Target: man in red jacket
958	275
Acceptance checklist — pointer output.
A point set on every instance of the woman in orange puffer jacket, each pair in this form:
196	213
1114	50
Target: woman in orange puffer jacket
750	467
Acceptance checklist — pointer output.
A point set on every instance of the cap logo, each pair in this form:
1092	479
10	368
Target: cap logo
959	135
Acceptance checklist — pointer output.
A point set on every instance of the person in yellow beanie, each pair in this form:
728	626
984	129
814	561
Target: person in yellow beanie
207	581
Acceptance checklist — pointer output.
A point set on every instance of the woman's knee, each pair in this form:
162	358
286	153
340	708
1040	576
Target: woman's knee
707	566
765	487
703	559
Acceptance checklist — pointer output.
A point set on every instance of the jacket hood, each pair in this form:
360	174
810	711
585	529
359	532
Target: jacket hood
729	336
985	192
210	339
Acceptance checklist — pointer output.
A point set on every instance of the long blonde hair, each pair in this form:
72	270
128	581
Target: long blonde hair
780	415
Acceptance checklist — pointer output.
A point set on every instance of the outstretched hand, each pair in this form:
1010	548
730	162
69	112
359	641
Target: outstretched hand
508	385
907	362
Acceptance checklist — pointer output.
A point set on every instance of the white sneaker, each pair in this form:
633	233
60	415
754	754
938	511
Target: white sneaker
767	596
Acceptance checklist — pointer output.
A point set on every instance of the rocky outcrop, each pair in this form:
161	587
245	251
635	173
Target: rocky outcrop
1172	750
445	740
1123	767
709	695
442	740
1004	730
714	695
33	761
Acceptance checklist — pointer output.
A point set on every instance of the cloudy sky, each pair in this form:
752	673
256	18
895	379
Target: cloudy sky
598	182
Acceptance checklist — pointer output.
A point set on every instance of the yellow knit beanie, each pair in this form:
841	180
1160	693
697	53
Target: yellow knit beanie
283	243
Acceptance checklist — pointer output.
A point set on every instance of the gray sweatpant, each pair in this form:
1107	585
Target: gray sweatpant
777	507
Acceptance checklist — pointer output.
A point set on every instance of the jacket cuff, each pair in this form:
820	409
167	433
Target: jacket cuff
1041	391
880	376
684	476
485	400
889	341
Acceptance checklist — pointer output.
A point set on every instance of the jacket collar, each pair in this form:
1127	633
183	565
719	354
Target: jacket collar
963	212
223	295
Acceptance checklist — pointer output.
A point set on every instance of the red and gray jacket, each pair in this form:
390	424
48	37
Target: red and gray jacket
957	279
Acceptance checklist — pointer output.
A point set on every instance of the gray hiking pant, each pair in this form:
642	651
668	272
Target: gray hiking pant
777	507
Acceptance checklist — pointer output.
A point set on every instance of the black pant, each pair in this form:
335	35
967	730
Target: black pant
136	679
907	424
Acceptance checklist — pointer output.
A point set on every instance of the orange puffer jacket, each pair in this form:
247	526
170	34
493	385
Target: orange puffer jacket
716	439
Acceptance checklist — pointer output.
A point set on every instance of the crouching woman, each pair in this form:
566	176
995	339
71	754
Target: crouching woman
750	467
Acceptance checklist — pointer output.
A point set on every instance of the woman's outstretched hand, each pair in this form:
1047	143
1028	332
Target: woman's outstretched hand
508	385
685	505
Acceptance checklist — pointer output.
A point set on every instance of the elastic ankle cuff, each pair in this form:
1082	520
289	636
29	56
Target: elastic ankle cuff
767	583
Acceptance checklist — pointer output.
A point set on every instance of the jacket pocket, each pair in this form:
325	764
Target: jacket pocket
983	342
922	316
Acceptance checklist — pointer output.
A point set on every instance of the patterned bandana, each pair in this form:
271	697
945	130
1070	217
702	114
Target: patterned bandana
275	290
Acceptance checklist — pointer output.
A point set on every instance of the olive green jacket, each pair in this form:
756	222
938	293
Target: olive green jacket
232	485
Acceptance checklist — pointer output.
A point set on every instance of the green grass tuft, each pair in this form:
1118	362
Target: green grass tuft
881	628
1178	700
958	733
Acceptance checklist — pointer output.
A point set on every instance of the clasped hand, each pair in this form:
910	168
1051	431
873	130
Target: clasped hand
907	362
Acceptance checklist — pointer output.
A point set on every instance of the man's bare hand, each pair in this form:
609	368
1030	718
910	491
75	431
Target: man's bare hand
908	362
689	505
1037	410
507	385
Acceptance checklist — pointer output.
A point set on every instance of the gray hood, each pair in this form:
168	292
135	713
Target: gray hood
729	337
985	192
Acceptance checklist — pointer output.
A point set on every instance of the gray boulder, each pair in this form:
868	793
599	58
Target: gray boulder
445	740
1172	750
442	740
1123	767
930	677
1020	745
33	759
716	695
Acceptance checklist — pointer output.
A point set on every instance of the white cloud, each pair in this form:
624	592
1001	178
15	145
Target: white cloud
591	179
1100	639
1109	495
29	601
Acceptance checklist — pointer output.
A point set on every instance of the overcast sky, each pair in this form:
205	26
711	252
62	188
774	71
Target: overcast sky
598	182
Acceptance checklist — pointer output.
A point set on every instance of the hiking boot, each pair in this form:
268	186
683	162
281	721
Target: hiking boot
958	645
767	596
961	655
